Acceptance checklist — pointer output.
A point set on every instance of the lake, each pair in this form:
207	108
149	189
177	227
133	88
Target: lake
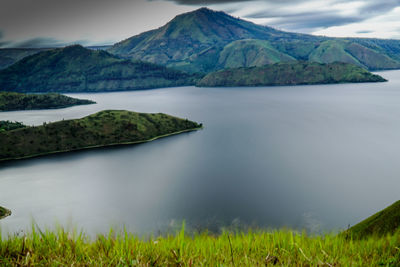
315	157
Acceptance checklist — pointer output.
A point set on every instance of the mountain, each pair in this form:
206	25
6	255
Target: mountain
105	128
19	101
289	73
78	69
205	40
381	223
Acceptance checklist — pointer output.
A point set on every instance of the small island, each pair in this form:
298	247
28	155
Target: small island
105	128
10	101
4	212
290	73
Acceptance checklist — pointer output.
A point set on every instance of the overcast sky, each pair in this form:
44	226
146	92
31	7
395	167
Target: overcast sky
44	23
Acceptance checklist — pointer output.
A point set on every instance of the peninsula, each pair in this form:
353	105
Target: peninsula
290	73
10	101
105	128
4	212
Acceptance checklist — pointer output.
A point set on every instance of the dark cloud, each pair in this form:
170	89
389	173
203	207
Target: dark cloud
206	2
364	31
306	21
2	42
303	21
45	42
310	21
216	2
378	7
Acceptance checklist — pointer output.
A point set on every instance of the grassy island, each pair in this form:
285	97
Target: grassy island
4	213
10	101
105	128
290	73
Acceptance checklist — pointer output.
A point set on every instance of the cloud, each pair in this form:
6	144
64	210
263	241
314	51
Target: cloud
44	42
302	15
364	31
207	2
307	21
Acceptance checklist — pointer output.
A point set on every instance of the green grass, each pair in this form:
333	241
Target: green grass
253	248
250	52
105	128
10	101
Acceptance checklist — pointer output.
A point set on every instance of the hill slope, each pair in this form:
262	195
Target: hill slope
197	42
78	69
9	125
382	223
105	128
290	74
18	101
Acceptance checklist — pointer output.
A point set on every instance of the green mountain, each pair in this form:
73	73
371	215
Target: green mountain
105	128
78	69
205	40
381	223
290	73
19	101
250	53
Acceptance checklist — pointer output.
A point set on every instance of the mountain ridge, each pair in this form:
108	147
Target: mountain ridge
77	69
194	41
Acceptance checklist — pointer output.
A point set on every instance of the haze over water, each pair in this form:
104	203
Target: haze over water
316	157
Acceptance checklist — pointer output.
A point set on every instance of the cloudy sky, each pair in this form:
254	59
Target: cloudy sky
44	23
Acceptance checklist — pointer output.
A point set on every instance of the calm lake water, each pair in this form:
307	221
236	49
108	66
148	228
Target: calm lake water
316	157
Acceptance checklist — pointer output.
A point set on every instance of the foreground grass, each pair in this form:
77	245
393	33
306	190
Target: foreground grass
258	248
